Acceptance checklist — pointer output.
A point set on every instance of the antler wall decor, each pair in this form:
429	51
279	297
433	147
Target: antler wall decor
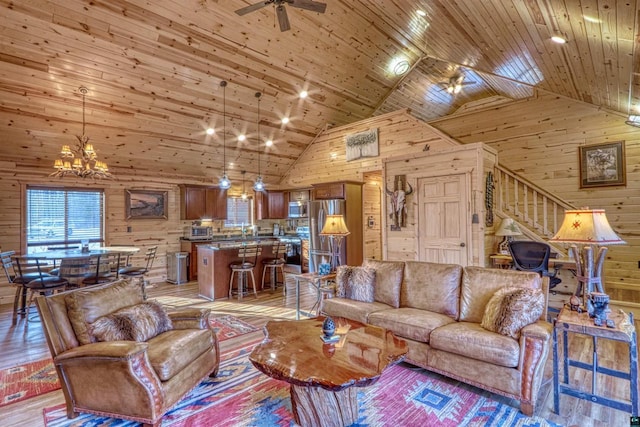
398	212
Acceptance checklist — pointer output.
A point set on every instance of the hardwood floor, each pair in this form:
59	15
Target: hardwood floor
25	342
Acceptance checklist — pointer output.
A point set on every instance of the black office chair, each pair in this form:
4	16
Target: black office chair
533	256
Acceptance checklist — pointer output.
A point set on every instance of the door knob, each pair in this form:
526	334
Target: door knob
462	245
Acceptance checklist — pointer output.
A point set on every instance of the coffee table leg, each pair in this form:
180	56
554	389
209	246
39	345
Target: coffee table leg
317	407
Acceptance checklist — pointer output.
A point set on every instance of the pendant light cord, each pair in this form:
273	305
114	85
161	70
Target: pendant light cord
223	83
259	95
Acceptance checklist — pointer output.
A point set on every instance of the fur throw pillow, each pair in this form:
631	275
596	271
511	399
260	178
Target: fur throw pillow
138	322
511	309
356	283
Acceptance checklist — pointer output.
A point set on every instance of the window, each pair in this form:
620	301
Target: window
239	212
59	217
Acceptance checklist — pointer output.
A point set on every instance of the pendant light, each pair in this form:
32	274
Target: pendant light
224	183
258	185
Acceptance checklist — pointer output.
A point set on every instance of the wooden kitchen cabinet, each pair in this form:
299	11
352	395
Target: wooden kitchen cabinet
203	202
299	195
271	205
333	190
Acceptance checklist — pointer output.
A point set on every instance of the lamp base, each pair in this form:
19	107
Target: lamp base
503	246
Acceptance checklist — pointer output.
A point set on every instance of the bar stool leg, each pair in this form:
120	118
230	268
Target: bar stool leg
231	283
16	304
253	282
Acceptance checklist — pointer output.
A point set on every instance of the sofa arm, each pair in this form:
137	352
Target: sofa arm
190	318
535	340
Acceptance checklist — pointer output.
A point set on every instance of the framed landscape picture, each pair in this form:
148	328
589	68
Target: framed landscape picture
602	165
145	204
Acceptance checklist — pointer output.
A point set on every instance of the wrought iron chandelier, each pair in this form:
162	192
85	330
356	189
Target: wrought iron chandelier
81	161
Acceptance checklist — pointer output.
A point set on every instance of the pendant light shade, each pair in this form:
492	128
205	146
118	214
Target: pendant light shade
258	184
224	182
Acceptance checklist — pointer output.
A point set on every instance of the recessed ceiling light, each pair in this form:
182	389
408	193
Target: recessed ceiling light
558	39
421	12
210	131
241	138
303	94
268	143
285	120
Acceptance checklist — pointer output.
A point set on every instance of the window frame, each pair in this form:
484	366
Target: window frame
34	245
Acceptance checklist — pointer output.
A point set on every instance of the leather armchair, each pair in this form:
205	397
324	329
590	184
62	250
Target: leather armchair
138	381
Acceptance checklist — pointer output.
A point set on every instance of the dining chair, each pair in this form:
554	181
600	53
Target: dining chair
140	271
101	269
41	283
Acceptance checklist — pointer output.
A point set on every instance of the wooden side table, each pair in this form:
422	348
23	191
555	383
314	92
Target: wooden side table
580	323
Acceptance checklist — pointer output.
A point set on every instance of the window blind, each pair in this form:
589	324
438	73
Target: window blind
60	217
238	212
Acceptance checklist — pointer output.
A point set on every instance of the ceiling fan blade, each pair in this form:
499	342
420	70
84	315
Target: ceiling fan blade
259	5
313	6
283	19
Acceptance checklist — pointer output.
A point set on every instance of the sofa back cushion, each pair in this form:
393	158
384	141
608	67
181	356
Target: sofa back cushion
86	305
479	284
431	286
388	280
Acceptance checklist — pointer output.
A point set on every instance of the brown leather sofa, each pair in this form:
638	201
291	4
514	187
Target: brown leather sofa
438	310
132	380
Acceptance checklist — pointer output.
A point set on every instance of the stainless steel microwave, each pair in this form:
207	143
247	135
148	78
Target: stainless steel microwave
197	232
297	209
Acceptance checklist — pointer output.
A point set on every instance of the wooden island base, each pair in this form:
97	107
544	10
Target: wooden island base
317	407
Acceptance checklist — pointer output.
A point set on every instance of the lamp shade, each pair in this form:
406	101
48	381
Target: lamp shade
587	227
334	226
508	227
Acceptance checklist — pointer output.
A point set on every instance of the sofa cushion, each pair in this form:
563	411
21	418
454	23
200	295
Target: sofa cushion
85	306
356	283
511	309
351	309
411	323
479	284
388	280
431	286
170	352
473	341
138	322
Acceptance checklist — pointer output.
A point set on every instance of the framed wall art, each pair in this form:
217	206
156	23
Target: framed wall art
602	165
363	144
145	204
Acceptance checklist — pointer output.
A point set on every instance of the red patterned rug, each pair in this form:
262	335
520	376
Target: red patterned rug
36	378
242	396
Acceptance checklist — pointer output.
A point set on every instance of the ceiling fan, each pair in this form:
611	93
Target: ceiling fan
281	12
455	83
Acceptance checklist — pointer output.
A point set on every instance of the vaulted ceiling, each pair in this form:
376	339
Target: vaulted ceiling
153	69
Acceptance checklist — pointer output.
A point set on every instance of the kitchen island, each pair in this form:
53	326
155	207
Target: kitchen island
213	264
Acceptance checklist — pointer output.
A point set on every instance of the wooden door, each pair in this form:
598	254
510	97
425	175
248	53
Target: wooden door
442	219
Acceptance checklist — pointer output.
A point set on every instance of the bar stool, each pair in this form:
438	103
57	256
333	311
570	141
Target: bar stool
43	284
15	279
274	263
140	271
248	258
101	269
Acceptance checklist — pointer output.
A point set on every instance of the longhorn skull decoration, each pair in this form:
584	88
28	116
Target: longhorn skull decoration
398	211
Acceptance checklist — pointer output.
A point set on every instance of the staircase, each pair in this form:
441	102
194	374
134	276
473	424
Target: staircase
538	213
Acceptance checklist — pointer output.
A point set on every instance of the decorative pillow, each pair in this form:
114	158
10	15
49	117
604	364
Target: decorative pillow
138	322
511	309
356	283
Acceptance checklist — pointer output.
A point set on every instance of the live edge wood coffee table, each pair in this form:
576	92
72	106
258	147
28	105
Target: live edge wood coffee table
323	376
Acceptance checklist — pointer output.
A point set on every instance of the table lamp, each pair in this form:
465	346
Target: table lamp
336	229
587	228
508	228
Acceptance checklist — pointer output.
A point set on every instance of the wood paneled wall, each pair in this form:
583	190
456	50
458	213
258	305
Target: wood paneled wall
538	138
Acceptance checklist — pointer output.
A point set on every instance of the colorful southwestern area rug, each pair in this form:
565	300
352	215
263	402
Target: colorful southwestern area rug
242	396
36	378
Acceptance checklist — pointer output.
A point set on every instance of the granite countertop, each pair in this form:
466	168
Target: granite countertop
238	243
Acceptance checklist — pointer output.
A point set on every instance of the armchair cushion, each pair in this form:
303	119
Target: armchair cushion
85	306
356	283
138	322
510	309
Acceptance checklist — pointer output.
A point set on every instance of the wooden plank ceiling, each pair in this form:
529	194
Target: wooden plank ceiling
153	70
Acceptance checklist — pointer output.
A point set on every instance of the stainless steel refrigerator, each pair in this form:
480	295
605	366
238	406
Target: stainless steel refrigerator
320	247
